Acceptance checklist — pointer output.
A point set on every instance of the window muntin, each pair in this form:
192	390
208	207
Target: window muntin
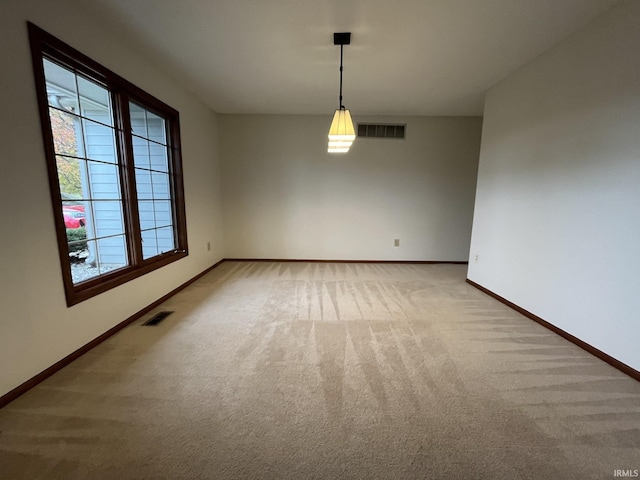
153	181
114	167
81	120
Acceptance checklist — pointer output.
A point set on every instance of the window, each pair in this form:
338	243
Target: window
113	154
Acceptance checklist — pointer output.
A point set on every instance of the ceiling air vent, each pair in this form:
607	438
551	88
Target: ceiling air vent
377	130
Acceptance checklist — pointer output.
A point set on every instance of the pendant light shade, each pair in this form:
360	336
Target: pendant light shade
341	133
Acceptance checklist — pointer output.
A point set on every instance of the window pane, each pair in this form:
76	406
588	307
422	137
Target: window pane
74	214
158	157
152	181
61	86
157	241
143	184
147	217
156	128
141	153
138	120
67	133
82	268
70	176
112	254
92	258
107	219
160	186
162	210
99	141
149	244
105	181
94	101
155	214
165	239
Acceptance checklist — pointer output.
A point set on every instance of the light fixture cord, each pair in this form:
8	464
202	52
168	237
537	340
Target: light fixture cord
341	106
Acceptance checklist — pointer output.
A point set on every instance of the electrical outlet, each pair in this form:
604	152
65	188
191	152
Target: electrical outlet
208	246
477	258
396	242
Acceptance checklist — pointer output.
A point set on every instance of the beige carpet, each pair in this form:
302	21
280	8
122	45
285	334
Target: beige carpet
328	371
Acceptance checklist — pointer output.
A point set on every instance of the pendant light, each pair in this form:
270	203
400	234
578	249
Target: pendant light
341	133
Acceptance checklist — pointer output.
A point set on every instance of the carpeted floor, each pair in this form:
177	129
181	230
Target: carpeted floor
328	371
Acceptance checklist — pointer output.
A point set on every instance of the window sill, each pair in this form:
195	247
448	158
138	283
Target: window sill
86	290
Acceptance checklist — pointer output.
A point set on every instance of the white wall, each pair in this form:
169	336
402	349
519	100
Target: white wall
36	327
557	216
284	196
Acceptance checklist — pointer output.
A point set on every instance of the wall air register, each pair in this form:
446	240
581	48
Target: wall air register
380	130
156	319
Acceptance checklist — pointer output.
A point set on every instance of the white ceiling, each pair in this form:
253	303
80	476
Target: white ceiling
407	57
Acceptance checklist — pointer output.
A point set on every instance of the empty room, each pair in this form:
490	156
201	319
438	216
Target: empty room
331	239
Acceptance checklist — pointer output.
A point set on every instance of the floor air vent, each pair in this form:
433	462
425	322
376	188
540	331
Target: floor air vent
157	318
378	130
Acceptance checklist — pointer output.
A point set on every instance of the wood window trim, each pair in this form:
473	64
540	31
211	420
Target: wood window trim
45	45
